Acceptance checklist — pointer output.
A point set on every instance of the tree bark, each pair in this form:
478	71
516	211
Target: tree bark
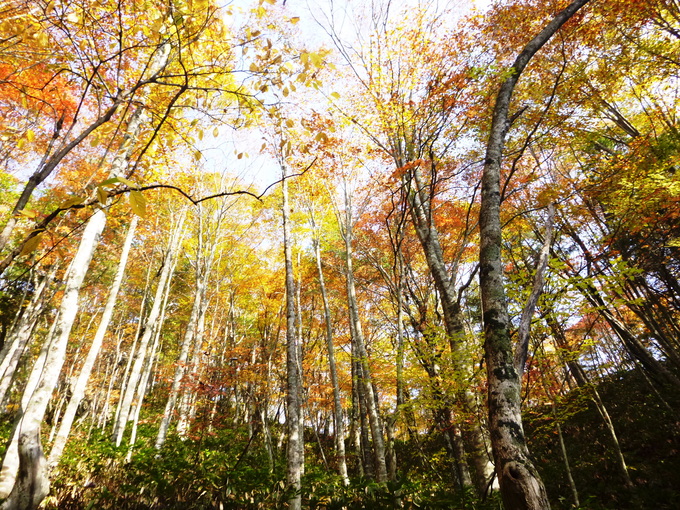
136	371
428	235
88	365
521	486
337	404
20	335
365	379
293	404
181	361
32	484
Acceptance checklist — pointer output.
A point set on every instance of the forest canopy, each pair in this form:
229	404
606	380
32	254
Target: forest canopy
274	254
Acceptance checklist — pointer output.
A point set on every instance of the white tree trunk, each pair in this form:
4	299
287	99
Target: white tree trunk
358	338
18	339
136	371
180	369
86	370
32	485
337	404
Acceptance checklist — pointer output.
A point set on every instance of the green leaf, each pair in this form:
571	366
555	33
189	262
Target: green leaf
108	182
138	203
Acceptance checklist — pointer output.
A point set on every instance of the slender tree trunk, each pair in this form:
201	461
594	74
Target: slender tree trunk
521	486
293	404
337	404
86	370
356	421
10	462
583	382
136	371
300	357
20	335
181	364
358	338
188	406
428	235
32	484
144	382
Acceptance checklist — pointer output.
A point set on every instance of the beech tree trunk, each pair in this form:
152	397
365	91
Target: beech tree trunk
17	340
365	380
86	370
136	372
521	486
181	364
428	235
32	484
337	404
293	403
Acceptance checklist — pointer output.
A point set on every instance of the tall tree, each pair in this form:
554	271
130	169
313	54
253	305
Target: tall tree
521	486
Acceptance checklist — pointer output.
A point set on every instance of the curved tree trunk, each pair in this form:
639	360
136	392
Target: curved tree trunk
428	235
521	486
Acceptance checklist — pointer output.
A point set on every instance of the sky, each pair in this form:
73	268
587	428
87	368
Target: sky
260	169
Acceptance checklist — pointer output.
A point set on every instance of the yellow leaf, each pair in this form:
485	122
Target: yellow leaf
294	20
127	182
317	59
290	123
21	143
335	95
30	135
28	214
71	202
31	244
73	17
285	92
216	132
138	203
102	195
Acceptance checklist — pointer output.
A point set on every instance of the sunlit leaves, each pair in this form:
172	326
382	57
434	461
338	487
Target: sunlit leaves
32	244
138	203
